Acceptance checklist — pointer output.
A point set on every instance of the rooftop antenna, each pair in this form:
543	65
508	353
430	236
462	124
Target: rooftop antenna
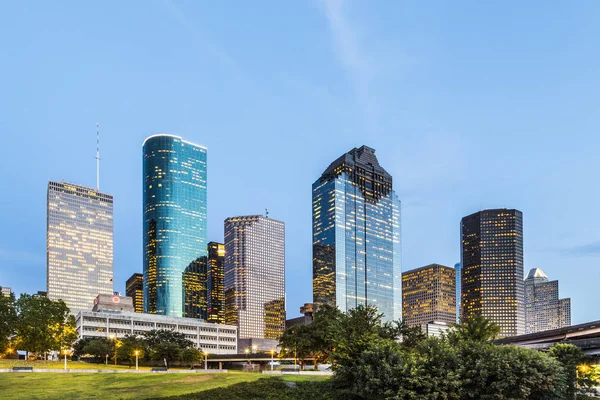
97	156
266	213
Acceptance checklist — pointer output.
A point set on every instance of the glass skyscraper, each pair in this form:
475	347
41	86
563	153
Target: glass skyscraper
457	267
492	268
214	286
356	235
255	276
79	244
174	220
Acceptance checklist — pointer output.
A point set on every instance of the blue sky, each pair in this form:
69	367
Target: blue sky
469	105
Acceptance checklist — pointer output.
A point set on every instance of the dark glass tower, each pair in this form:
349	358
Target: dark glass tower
356	235
492	268
174	221
216	274
134	288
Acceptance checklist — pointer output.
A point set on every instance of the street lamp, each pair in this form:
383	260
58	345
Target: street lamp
247	351
137	353
65	353
272	352
254	347
106	362
205	360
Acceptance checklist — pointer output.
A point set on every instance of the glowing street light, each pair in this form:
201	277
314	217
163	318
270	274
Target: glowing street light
137	353
247	351
272	352
205	360
65	353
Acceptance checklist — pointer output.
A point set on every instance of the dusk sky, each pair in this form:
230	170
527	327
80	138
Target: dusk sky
469	105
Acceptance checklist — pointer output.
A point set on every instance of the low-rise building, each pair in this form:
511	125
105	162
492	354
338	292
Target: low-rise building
212	338
5	291
435	328
104	302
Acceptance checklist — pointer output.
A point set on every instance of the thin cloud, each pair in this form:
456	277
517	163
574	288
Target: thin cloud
353	58
591	249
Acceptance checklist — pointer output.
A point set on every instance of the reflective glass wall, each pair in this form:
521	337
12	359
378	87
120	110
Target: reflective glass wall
356	236
174	220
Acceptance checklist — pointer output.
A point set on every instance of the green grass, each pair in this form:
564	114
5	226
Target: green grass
144	386
8	363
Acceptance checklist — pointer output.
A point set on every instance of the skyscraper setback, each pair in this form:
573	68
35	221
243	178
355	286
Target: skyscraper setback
492	268
255	276
174	219
79	243
544	310
356	235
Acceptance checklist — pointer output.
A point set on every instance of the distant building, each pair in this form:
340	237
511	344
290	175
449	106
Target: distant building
174	221
212	338
134	288
307	311
104	302
457	267
194	289
435	329
215	285
79	244
356	235
5	291
429	294
255	276
492	268
543	309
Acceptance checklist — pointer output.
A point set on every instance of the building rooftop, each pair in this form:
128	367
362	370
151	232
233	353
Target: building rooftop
536	273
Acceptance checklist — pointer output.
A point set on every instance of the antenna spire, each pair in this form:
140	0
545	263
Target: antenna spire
97	156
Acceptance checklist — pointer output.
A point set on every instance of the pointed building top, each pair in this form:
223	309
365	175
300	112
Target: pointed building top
536	273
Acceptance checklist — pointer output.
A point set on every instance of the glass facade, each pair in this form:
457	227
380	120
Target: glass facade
457	267
216	275
134	288
492	268
174	233
79	244
255	276
429	295
356	236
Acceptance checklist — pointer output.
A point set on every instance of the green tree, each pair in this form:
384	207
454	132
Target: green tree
474	328
99	348
574	362
126	350
410	336
508	372
8	321
191	355
43	324
326	330
160	336
297	341
166	352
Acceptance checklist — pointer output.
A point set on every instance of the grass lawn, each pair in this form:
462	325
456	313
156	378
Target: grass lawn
144	386
7	363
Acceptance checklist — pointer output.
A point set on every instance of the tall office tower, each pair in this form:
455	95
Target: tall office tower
356	235
429	295
79	244
174	219
543	309
194	290
134	288
255	276
457	268
492	268
215	288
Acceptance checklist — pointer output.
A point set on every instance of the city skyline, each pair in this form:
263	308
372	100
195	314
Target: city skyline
435	111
